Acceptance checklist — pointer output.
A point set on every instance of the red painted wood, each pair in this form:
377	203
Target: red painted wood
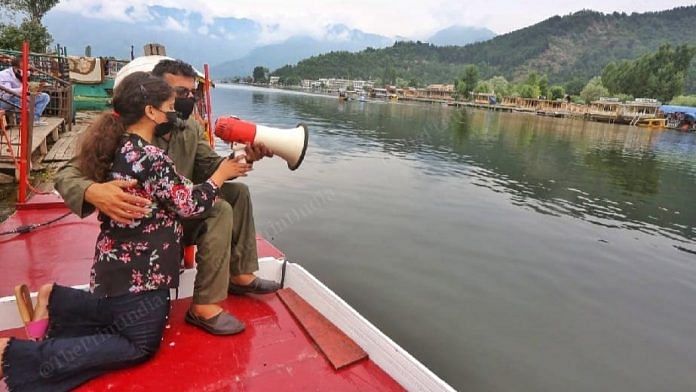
61	252
338	348
272	354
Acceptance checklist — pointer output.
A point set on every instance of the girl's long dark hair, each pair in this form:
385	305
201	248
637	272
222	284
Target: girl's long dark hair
101	139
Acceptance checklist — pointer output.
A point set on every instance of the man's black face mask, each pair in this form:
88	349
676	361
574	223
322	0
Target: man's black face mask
184	107
166	127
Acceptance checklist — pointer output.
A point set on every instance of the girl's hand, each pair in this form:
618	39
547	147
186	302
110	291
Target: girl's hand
230	168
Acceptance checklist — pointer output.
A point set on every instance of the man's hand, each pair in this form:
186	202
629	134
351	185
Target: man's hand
257	151
118	205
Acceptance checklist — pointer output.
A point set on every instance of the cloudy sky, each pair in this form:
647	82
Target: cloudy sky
408	18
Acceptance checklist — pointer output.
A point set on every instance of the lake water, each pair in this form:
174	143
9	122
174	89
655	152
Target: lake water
505	251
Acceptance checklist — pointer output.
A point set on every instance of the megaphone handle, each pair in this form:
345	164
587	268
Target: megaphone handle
238	150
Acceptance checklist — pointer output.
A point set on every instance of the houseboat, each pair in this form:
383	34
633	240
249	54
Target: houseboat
638	110
605	110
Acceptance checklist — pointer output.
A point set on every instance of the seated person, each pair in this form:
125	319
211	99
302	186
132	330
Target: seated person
120	322
11	78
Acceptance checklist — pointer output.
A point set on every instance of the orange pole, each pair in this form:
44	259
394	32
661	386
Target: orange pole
24	128
208	106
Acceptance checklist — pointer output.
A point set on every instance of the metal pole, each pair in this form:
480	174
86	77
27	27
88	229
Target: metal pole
208	106
24	152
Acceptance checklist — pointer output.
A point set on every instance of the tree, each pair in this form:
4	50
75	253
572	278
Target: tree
389	75
33	9
594	90
291	81
483	86
467	83
500	86
660	75
12	37
556	92
574	86
684	100
528	91
260	74
31	29
543	86
401	83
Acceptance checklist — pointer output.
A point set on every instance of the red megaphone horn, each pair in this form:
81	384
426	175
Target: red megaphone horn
289	144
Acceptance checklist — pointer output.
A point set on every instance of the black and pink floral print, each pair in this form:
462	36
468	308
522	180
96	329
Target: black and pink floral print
146	253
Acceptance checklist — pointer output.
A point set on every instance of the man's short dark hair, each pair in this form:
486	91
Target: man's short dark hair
174	67
16	62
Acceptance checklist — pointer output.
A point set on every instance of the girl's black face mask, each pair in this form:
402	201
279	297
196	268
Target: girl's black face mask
166	127
184	107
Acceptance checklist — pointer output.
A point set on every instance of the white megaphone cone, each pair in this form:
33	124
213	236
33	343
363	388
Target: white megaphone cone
289	144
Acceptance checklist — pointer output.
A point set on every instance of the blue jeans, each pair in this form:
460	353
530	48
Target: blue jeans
87	337
40	102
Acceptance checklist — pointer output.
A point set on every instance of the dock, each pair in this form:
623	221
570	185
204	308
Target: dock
41	137
52	145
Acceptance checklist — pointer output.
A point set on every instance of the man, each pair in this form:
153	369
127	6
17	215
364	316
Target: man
225	237
11	79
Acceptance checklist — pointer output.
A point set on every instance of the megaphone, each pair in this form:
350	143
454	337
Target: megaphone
289	144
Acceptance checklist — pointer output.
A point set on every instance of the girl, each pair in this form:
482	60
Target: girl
121	321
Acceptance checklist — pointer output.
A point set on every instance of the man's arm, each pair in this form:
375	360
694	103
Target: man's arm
10	84
71	185
83	196
207	160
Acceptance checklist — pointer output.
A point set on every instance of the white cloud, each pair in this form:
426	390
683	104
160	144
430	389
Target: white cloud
173	24
418	19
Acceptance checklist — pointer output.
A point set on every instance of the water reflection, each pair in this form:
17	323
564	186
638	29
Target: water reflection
613	176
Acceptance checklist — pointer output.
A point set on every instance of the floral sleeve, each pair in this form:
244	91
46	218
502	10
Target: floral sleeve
171	190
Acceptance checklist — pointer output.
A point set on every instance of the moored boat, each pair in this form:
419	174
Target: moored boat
652	123
680	117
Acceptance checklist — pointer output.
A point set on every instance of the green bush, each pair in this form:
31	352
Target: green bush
684	100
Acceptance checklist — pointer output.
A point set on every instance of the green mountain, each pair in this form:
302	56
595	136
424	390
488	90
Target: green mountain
571	47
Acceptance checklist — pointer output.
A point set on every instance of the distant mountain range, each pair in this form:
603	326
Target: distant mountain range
571	47
294	49
339	38
232	46
460	36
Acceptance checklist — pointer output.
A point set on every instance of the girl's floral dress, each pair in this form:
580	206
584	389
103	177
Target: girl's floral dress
146	254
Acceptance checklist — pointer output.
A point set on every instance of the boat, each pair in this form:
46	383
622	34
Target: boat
680	117
93	81
655	122
273	353
305	337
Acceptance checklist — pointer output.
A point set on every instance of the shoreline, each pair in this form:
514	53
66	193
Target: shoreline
558	109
